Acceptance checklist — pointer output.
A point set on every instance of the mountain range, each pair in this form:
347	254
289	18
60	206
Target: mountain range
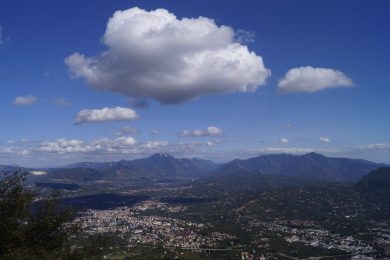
311	166
156	166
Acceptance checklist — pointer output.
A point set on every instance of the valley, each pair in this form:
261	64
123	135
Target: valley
236	210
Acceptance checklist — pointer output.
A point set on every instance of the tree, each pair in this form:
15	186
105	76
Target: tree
39	229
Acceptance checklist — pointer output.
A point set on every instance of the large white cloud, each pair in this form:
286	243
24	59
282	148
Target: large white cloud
309	80
154	54
25	100
105	114
210	131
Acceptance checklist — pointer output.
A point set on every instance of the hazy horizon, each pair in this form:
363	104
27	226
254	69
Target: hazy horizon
221	162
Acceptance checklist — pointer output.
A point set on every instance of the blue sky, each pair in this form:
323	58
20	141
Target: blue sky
60	64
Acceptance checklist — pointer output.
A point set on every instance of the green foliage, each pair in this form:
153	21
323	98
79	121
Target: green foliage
93	248
39	229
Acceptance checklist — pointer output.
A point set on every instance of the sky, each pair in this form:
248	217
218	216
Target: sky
108	80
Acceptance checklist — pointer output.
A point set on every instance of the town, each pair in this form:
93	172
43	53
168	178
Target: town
150	223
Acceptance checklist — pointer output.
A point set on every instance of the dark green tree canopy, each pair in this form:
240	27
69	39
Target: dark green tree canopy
39	229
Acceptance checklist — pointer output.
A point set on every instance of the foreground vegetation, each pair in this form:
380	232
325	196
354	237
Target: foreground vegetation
40	229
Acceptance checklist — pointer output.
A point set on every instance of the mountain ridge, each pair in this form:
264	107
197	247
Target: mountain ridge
375	185
158	165
310	165
163	165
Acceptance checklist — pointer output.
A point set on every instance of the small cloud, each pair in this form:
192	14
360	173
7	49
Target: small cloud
288	126
25	100
21	141
128	130
373	147
283	140
324	140
126	140
154	144
46	74
154	132
210	131
309	80
105	114
24	152
138	103
62	102
214	143
290	150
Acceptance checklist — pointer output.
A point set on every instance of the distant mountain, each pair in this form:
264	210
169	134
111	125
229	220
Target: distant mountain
156	166
376	185
165	165
123	170
311	165
90	165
